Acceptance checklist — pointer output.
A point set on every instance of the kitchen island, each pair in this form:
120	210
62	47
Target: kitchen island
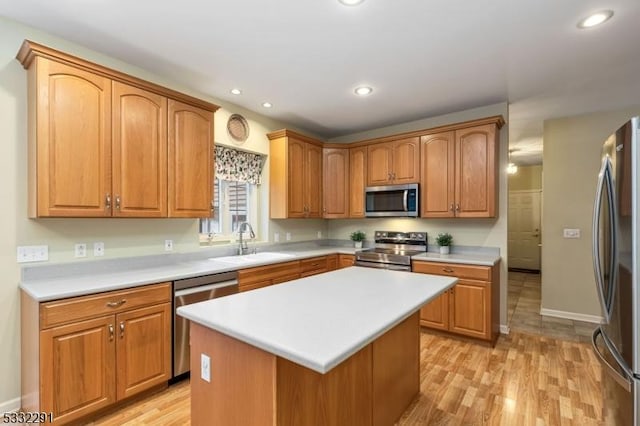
336	348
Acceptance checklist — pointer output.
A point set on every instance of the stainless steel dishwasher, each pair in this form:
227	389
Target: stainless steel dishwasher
193	290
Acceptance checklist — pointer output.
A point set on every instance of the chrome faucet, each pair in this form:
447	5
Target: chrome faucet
243	248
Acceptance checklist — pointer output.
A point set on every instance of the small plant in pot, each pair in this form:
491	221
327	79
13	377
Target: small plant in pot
357	237
444	241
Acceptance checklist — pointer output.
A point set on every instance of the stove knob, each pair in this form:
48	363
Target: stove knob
412	236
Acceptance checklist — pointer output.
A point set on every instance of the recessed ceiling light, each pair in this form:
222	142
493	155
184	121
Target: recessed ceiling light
267	104
595	19
236	91
363	90
351	2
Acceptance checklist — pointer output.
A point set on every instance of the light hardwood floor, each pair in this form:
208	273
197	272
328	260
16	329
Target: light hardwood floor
525	380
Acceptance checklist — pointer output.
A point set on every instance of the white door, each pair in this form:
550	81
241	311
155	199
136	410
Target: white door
524	229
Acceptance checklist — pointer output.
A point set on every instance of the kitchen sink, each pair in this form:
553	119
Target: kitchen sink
255	257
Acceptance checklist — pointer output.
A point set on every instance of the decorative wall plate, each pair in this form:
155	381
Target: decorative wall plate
238	128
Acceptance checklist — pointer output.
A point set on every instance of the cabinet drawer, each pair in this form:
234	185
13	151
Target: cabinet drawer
84	307
268	272
482	273
314	264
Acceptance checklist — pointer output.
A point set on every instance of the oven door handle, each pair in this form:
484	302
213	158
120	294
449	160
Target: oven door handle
203	288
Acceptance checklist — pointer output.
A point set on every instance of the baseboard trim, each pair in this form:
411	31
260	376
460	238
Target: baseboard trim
504	329
10	406
571	315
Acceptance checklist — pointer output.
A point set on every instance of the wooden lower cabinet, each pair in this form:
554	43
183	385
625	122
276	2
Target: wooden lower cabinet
346	260
471	307
79	366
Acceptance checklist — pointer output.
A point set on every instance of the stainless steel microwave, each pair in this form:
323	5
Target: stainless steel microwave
391	201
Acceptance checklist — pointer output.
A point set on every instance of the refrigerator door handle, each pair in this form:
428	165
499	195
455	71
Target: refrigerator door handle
596	240
623	381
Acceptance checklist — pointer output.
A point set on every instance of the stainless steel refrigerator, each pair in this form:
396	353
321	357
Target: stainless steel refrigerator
616	229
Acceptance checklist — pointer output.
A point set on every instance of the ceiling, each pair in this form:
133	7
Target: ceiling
422	57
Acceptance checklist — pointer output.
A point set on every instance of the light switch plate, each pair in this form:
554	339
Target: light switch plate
32	254
571	233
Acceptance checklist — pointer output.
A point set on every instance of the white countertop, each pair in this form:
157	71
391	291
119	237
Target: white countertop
466	258
81	284
322	320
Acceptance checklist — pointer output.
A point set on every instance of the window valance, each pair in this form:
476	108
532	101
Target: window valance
238	166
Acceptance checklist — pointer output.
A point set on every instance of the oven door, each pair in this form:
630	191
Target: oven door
390	266
391	201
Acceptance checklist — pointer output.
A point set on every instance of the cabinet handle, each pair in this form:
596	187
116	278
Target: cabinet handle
315	264
451	207
118	202
393	175
457	207
447	270
212	206
111	332
122	329
107	202
116	304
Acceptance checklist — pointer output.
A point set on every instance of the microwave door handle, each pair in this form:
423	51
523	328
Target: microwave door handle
596	241
404	200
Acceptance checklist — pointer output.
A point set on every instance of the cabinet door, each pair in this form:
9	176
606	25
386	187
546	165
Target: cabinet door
406	161
256	284
335	189
437	175
379	164
73	142
313	180
190	160
78	366
332	262
143	349
475	163
470	308
436	313
358	180
296	180
139	152
346	260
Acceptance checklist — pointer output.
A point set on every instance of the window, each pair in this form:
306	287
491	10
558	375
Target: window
235	193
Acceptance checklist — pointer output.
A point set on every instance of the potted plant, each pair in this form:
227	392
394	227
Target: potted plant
444	240
357	237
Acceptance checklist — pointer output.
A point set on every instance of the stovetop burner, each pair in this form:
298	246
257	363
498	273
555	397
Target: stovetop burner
393	250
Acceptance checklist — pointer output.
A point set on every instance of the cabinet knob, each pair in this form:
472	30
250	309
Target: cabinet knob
111	332
118	202
457	207
107	202
451	207
122	329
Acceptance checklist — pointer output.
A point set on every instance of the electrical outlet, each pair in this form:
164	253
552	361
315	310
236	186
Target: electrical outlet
319	234
205	368
81	250
98	248
168	245
32	253
571	233
288	236
276	237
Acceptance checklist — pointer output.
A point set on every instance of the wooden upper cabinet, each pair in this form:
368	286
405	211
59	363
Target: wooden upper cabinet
459	173
313	180
336	182
190	159
476	162
438	175
357	180
70	152
295	176
98	142
394	163
139	152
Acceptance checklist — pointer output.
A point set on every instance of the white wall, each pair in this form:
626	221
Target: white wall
469	232
571	158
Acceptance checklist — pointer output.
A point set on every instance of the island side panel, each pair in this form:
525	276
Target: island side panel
396	370
342	396
243	380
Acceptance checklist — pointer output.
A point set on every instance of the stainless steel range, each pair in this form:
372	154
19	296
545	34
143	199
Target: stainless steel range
393	250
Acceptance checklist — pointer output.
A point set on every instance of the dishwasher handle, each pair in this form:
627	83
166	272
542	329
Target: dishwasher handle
204	288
